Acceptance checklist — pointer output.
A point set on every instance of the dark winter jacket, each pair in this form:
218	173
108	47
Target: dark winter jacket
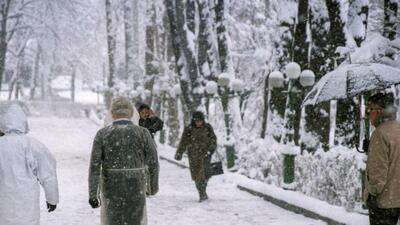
121	154
153	124
200	143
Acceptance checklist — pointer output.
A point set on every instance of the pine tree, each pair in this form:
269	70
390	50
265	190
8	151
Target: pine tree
317	117
300	56
348	114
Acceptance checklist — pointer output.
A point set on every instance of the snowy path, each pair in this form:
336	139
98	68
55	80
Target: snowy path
176	203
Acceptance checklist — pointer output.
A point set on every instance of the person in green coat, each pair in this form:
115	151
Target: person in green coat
200	142
121	156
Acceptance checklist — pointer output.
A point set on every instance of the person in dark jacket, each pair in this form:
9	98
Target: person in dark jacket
199	140
122	153
149	120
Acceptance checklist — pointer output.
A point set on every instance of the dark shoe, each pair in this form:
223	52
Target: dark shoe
203	197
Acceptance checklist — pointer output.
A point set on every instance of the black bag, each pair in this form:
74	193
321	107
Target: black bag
212	169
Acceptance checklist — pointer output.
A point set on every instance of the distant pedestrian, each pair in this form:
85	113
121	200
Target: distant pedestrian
200	142
24	164
121	154
382	189
149	120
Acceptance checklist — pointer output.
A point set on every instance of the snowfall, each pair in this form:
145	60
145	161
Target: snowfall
70	141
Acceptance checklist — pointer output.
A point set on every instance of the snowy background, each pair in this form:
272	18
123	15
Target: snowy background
65	60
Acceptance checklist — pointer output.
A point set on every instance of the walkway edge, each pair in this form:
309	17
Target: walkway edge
290	207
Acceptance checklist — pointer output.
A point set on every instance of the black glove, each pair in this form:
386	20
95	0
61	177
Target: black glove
178	157
372	201
51	207
94	202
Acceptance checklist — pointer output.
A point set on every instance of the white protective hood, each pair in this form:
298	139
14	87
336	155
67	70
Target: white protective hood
14	120
24	163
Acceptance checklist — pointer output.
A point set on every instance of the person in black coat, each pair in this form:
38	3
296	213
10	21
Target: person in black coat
149	120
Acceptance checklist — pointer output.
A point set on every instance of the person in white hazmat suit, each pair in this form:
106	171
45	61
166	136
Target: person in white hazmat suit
24	163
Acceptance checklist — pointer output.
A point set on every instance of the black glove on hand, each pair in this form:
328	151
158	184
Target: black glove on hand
51	207
94	203
372	201
178	157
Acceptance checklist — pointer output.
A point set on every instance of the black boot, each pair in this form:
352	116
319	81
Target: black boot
201	188
203	197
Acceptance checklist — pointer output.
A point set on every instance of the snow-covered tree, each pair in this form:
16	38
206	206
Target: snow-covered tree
358	20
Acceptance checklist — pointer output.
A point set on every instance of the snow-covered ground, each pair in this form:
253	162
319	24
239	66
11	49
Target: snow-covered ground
176	203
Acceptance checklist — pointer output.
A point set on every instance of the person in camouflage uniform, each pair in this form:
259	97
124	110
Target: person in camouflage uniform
121	154
199	140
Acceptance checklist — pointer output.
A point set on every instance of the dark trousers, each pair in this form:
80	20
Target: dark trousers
380	216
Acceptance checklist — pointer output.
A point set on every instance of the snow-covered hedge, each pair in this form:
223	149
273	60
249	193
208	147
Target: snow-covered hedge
331	176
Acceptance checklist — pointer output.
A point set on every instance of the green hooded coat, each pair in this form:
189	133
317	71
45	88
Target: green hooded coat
122	156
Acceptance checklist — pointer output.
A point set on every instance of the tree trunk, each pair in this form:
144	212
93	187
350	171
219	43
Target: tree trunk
223	49
192	97
152	55
267	97
4	10
73	79
205	46
35	75
129	43
173	122
111	45
175	42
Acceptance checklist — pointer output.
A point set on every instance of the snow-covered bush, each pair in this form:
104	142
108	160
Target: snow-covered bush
332	176
260	161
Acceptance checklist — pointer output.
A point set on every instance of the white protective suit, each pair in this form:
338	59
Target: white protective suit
24	163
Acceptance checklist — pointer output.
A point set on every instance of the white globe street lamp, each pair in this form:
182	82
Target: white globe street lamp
307	78
276	79
237	85
224	80
211	87
176	90
293	70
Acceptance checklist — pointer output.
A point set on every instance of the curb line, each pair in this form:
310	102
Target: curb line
291	207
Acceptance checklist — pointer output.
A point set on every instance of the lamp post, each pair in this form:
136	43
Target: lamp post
290	150
229	87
